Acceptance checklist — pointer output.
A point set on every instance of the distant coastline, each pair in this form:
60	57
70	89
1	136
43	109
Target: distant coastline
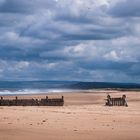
36	87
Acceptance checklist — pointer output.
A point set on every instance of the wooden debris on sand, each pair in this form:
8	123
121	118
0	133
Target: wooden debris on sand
32	102
121	101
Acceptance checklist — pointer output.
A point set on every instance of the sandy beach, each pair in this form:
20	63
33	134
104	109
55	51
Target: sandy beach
83	117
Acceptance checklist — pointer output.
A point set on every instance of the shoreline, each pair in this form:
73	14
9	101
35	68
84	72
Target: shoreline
67	91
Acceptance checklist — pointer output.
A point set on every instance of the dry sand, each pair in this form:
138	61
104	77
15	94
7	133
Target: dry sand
83	117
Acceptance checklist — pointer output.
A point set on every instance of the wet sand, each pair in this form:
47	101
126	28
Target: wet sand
83	117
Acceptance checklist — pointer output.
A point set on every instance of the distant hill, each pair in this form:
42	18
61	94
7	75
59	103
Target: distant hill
97	85
46	85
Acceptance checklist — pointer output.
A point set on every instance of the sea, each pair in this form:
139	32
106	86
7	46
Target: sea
39	87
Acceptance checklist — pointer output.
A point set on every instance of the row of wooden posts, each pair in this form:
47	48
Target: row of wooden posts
121	101
32	102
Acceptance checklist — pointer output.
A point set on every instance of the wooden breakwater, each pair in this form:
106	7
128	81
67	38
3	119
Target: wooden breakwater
32	102
121	101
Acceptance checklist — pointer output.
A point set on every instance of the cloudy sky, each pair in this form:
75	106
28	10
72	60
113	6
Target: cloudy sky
83	40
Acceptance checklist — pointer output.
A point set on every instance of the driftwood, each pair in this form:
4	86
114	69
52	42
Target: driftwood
121	101
32	102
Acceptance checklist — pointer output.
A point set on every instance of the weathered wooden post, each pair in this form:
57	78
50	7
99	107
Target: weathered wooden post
1	101
46	97
120	102
124	100
36	102
116	102
32	102
112	101
16	101
62	98
109	100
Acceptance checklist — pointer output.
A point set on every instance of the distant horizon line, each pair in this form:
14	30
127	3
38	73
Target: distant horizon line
77	81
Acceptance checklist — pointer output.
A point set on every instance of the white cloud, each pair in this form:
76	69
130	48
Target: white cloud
12	38
112	56
22	64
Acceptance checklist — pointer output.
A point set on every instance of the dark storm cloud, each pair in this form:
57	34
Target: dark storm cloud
106	65
126	8
70	40
24	6
14	6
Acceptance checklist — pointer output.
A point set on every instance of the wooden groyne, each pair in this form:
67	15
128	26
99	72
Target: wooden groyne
121	101
32	102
